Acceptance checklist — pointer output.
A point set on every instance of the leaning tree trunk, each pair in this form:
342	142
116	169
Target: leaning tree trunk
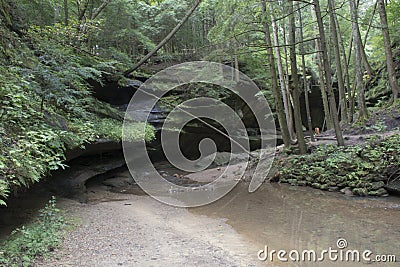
328	76
388	51
362	108
165	40
295	88
335	44
274	80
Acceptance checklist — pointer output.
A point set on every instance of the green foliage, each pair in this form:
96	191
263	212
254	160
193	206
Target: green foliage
34	240
138	131
46	105
363	167
393	13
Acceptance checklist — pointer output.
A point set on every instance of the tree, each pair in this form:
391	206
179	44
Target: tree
345	69
295	86
274	80
339	72
305	82
328	75
362	107
282	79
388	51
66	14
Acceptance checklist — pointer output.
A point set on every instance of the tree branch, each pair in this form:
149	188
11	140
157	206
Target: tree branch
163	42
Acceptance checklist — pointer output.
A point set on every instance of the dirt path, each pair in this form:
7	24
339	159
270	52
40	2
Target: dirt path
130	230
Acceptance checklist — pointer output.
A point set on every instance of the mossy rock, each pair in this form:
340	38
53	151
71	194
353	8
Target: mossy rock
316	185
292	181
302	183
378	193
360	191
376	185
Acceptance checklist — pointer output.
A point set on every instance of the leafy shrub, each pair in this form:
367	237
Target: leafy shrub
37	239
46	107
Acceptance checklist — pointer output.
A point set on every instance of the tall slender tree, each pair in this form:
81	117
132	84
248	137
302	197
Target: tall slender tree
345	70
362	107
282	78
66	13
305	82
328	75
274	79
324	96
339	71
295	86
388	50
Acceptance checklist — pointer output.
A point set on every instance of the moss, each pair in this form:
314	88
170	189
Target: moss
364	169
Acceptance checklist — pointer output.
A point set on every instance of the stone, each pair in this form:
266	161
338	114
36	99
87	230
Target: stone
316	185
381	192
333	189
376	185
360	191
324	187
292	181
347	191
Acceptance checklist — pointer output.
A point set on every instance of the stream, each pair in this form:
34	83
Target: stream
279	216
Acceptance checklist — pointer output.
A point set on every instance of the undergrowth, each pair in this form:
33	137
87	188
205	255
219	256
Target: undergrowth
364	169
37	239
46	107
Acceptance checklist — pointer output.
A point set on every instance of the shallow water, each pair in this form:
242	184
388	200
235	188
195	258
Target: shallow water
286	217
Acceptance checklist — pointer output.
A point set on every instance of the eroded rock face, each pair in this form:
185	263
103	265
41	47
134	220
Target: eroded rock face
115	93
72	181
98	147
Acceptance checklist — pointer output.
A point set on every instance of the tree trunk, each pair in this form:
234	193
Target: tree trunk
328	76
66	15
274	80
305	83
82	10
327	113
362	108
165	40
345	69
287	85
388	51
282	80
295	88
236	59
339	72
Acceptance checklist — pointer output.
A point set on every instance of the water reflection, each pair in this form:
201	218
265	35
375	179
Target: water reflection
285	217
